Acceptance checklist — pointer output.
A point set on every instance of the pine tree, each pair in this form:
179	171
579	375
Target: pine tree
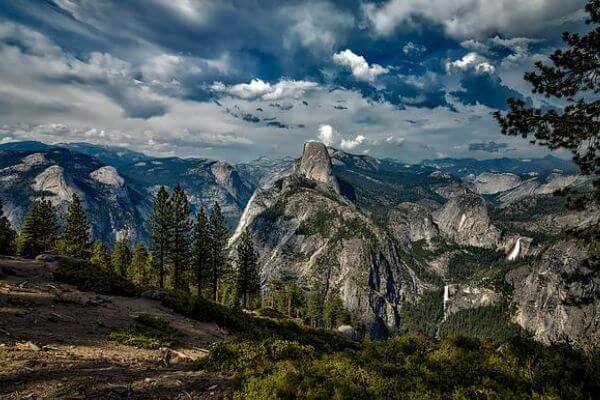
38	233
7	234
180	238
99	255
218	241
121	257
314	308
201	250
573	78
248	279
76	233
333	310
141	269
160	225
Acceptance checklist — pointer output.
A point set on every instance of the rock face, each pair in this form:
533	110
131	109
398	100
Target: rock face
410	222
304	230
516	247
459	297
464	219
52	180
558	299
315	165
227	177
492	183
107	175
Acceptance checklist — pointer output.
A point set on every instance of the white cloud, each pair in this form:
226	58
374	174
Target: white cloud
471	62
258	89
469	18
349	144
411	48
330	137
308	30
360	68
327	135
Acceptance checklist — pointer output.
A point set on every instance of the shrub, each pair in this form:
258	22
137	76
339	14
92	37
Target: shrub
92	278
148	332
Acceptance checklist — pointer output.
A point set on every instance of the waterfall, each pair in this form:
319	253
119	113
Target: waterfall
516	251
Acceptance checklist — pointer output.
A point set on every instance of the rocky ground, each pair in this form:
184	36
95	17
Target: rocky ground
55	343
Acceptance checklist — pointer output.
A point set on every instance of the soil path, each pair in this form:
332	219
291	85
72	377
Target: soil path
55	344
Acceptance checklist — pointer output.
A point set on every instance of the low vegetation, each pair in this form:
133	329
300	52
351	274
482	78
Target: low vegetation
148	332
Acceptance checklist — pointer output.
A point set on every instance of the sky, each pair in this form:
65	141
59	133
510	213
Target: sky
238	79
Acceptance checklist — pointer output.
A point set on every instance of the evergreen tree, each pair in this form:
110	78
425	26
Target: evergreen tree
160	224
99	255
180	238
314	308
333	311
38	233
248	279
76	233
121	257
140	270
573	78
7	234
273	290
201	250
218	241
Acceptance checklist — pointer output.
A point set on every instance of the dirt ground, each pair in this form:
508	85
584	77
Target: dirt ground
55	344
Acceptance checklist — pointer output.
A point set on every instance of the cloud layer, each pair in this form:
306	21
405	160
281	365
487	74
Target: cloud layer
234	79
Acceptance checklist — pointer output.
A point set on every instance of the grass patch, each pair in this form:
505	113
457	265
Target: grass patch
148	332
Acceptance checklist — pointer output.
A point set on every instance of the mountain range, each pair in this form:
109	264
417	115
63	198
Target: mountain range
431	245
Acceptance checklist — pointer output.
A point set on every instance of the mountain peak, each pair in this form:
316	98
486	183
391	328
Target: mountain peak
315	164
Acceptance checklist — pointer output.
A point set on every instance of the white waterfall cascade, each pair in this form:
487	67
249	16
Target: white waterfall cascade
514	254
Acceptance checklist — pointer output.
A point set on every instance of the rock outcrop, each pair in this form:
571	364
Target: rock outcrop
558	298
108	175
492	183
464	220
458	297
315	164
304	230
52	181
410	222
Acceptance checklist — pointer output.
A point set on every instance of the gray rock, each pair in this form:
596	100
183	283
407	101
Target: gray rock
410	222
558	298
458	297
464	219
315	164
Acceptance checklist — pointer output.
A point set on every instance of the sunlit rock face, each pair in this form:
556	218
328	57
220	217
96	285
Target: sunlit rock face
464	220
315	165
108	175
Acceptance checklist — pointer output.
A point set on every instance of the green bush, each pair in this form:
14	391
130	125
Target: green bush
419	367
271	313
92	278
148	332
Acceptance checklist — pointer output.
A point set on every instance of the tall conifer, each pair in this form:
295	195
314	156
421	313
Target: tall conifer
218	241
7	234
76	233
201	256
180	238
248	279
160	224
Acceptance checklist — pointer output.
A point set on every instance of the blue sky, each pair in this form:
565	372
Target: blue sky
408	79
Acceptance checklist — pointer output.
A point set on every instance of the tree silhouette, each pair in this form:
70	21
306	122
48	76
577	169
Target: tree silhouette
573	77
